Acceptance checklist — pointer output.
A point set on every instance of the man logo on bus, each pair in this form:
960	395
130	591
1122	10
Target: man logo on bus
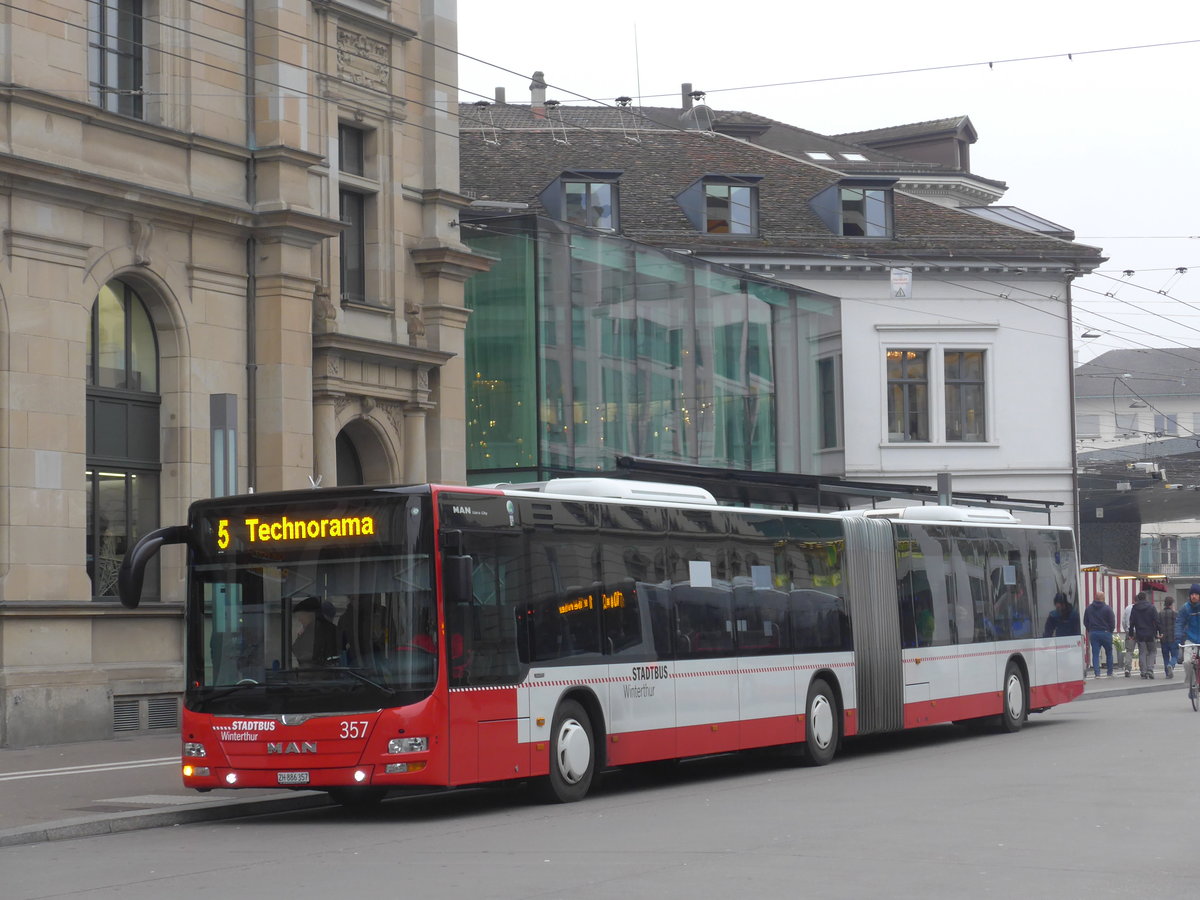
291	747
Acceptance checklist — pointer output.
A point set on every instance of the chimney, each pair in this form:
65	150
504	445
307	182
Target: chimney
537	88
687	95
500	96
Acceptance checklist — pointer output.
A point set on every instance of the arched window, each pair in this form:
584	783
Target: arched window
122	434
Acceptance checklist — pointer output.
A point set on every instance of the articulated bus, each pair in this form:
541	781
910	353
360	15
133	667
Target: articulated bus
361	640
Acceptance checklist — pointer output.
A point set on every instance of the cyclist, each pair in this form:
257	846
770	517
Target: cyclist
1187	629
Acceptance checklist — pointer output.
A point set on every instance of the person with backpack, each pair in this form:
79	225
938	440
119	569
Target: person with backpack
1143	624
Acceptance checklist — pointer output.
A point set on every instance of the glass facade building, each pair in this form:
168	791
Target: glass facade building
583	347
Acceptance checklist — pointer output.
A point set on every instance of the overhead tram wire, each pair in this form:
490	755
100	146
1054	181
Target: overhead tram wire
989	63
914	260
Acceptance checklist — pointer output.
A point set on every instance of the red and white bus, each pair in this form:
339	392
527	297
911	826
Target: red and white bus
359	640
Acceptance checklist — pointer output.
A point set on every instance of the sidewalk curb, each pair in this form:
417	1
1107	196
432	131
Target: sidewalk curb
203	811
1124	691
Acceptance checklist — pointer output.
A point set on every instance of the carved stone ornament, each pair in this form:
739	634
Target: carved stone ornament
395	414
363	60
140	233
416	325
323	308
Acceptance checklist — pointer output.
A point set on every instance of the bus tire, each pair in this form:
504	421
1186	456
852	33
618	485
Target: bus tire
572	755
1015	697
821	727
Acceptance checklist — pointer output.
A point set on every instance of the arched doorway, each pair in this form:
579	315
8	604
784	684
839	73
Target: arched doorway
362	456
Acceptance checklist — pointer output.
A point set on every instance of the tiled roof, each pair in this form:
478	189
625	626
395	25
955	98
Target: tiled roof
517	164
789	139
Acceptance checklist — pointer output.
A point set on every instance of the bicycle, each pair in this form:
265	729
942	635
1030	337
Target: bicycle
1194	662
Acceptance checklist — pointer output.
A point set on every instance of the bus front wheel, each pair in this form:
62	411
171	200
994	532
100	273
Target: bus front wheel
572	755
821	727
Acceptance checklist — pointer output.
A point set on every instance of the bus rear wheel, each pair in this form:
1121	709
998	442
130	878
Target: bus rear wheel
821	728
1015	699
572	755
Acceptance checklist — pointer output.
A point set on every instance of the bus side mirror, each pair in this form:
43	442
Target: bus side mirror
133	566
456	577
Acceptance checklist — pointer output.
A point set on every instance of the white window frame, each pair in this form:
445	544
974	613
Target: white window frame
902	338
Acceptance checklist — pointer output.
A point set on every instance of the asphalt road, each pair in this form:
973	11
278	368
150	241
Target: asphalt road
1086	802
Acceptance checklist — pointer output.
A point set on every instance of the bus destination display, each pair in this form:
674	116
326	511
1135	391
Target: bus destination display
253	530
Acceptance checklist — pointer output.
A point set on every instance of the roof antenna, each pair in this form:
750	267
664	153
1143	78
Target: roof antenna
494	140
700	116
623	103
637	65
552	106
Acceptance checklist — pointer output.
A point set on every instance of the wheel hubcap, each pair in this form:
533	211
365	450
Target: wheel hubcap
574	751
1016	698
820	721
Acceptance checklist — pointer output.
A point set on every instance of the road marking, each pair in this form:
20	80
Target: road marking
93	769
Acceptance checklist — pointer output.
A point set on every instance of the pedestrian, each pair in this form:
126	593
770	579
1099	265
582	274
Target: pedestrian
1166	631
1187	630
1130	639
1063	620
1143	621
1100	622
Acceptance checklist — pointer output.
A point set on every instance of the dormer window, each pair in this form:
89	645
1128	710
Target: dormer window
865	212
857	207
584	197
722	204
589	203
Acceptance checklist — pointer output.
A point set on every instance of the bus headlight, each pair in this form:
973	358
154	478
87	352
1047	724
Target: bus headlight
408	745
193	749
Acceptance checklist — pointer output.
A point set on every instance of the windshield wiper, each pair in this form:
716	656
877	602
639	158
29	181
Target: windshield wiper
355	673
232	689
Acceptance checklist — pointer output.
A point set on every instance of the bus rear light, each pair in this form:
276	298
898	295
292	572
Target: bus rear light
402	768
196	771
194	749
408	745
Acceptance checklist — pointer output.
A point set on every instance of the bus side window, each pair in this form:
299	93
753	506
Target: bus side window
622	617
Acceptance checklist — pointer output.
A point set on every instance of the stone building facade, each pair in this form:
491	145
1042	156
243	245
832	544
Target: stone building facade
251	205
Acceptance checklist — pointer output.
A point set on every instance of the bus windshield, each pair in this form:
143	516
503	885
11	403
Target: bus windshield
348	634
318	627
